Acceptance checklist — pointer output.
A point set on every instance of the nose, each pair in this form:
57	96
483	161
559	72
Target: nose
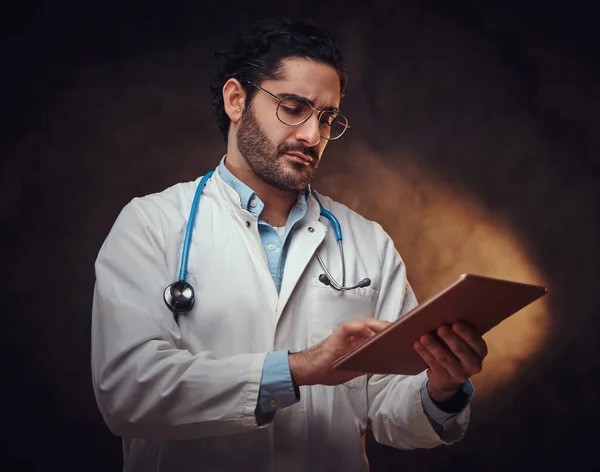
309	131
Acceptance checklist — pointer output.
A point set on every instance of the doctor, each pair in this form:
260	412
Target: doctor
220	304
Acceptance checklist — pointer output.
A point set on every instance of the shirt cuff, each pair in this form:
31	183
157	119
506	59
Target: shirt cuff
276	386
440	419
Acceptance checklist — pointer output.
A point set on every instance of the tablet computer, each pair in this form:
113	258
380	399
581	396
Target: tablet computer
482	302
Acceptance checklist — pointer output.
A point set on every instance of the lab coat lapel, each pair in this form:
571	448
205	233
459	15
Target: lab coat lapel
306	238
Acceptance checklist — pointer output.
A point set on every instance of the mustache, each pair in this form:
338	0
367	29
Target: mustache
308	151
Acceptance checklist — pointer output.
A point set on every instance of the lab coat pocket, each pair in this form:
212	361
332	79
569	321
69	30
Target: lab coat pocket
358	383
330	308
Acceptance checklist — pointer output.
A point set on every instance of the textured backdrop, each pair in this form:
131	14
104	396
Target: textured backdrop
474	142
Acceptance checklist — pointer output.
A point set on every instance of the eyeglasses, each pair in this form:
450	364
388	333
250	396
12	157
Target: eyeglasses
294	111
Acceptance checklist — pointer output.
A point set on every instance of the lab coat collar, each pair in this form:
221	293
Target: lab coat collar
309	234
233	197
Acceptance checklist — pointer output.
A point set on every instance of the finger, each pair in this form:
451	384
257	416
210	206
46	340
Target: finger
376	325
471	337
468	358
444	357
357	329
365	327
428	357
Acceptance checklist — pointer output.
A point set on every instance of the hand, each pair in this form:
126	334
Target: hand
453	363
313	366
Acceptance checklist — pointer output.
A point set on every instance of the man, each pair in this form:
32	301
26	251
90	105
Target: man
243	379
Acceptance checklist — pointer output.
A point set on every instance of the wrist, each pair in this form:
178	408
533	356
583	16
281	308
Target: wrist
297	370
450	400
442	396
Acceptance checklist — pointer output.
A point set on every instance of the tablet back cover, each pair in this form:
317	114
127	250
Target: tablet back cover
482	302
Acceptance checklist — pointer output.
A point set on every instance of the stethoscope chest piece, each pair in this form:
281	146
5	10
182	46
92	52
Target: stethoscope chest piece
179	296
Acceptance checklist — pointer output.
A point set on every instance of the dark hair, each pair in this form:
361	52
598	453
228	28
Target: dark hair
259	55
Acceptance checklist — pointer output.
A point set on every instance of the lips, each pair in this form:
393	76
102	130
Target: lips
303	157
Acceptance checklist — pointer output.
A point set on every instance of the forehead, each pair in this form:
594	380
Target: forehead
318	82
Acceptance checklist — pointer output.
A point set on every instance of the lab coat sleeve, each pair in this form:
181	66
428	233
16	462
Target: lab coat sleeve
145	386
395	409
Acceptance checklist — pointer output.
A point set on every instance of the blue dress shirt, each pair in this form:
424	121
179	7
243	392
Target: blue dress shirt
276	388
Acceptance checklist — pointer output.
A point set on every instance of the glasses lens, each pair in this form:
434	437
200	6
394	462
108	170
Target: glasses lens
292	111
333	125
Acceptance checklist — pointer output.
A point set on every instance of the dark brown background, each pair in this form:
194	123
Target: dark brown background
497	101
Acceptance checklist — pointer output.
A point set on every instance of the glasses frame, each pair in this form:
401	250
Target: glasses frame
313	109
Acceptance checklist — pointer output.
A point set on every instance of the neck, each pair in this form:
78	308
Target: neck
278	203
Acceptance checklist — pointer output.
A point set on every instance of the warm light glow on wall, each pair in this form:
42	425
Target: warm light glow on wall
442	231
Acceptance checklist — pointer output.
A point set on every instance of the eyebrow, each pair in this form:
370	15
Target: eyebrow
300	97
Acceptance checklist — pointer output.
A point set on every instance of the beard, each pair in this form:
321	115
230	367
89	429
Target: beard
267	160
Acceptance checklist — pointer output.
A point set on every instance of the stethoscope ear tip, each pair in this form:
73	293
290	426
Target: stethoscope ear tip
364	283
324	279
327	281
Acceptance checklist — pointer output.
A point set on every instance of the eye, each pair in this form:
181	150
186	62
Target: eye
327	118
292	110
293	107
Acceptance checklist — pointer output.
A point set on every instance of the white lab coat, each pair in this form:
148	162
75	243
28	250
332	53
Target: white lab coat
183	396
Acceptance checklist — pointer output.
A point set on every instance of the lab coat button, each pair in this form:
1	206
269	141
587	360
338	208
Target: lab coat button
273	403
271	247
248	224
311	229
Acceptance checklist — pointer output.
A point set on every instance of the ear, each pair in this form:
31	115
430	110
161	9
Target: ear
234	99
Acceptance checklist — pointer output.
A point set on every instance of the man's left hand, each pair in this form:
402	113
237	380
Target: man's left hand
451	362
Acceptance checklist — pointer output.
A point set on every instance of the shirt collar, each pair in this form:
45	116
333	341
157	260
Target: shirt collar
245	193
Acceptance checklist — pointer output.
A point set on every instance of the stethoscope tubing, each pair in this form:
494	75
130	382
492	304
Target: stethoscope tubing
190	226
183	300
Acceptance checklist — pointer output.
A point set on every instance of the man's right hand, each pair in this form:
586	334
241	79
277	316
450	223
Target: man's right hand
313	366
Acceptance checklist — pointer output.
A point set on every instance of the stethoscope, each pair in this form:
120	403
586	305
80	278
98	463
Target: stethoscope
180	295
